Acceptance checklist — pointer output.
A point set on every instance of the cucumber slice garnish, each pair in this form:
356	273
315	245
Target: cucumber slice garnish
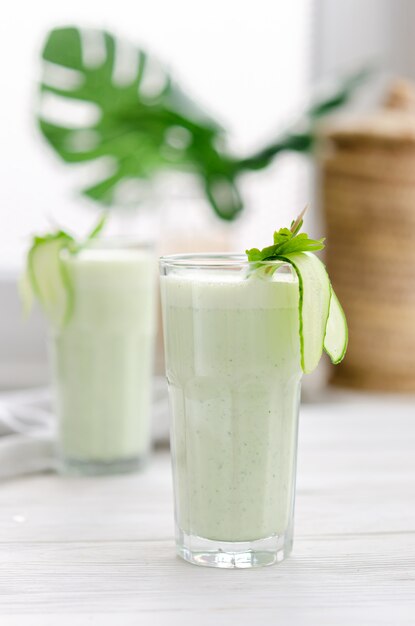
314	304
322	321
336	337
47	277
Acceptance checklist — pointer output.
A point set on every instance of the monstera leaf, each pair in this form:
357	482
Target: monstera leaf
142	122
145	125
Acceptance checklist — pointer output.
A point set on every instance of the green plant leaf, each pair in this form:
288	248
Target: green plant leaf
144	126
146	123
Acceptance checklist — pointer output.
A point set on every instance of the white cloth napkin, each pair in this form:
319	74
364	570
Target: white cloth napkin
28	429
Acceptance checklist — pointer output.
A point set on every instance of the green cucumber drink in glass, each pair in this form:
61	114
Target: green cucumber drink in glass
240	330
99	297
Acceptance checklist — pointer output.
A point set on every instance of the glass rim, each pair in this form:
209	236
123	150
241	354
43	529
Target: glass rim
112	242
120	241
214	260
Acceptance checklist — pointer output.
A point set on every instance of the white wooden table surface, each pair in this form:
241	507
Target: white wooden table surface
100	551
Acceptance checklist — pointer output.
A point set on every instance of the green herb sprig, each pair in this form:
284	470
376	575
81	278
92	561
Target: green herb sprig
287	241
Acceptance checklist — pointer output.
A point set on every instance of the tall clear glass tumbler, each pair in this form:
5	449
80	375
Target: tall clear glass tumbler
102	358
231	334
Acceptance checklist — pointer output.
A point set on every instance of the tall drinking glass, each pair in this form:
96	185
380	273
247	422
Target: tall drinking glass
103	358
233	368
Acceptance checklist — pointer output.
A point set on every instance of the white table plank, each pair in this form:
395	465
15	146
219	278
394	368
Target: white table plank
100	551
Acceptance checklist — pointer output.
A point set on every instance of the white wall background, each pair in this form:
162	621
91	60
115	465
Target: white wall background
349	33
247	62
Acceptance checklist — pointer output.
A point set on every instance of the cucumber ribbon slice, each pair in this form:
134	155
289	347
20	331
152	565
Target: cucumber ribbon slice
337	336
322	321
46	279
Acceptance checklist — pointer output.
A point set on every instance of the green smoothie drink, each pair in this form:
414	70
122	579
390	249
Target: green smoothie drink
239	333
233	367
103	359
99	297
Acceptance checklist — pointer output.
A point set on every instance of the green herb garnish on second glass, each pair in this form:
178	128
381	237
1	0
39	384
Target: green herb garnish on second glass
322	323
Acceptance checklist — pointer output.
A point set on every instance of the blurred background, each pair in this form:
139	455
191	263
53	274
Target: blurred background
254	70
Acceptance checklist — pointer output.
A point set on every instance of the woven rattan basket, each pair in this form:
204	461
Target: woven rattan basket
368	195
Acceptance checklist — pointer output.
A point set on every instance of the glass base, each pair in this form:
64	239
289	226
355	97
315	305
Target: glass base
231	555
76	467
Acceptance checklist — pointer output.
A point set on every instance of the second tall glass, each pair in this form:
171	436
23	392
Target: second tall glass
103	358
